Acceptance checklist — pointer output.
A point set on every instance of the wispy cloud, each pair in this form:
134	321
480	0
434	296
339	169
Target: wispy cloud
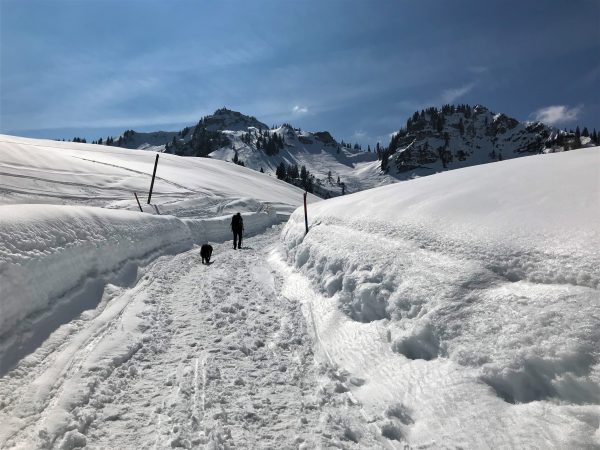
299	109
592	75
446	96
450	95
553	115
478	69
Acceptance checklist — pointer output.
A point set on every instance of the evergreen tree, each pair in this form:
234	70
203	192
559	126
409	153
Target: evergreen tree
281	172
293	172
303	173
439	124
261	170
309	186
446	139
585	132
385	159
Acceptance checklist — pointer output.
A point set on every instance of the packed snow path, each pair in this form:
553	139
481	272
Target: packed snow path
192	356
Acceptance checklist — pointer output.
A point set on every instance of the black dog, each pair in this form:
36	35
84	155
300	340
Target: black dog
205	253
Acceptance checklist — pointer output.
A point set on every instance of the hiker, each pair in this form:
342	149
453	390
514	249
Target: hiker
237	226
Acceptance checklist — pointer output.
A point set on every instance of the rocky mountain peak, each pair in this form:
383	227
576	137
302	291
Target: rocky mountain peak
453	136
226	119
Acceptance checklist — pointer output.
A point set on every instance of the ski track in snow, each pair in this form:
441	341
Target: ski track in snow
193	356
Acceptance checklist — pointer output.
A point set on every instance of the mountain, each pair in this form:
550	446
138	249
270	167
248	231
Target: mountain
435	140
232	136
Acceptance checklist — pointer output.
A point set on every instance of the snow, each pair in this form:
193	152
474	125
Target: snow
479	286
36	171
192	356
48	250
39	171
456	310
357	169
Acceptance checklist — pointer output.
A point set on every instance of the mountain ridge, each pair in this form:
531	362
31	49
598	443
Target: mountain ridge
433	140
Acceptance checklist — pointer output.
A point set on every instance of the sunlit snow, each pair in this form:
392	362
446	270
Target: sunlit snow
455	310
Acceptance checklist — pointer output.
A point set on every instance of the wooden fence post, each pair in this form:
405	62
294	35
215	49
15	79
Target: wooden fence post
138	200
305	215
153	175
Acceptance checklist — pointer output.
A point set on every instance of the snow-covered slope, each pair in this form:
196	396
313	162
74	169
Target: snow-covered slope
318	152
465	303
47	252
40	171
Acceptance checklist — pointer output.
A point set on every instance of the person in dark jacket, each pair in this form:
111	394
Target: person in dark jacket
237	226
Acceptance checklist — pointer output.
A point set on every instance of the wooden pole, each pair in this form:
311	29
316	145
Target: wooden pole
138	200
305	215
153	175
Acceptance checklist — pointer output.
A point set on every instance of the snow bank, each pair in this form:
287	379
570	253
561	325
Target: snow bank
493	268
46	250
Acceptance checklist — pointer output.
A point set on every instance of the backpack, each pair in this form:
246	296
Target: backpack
237	223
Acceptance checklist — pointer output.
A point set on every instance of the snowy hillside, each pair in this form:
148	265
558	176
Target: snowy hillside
318	152
39	171
463	307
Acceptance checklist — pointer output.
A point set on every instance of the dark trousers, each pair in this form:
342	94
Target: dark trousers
237	236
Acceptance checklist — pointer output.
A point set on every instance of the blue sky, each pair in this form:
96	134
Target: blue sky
357	68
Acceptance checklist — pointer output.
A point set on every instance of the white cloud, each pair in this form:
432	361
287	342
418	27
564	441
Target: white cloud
450	95
299	109
553	115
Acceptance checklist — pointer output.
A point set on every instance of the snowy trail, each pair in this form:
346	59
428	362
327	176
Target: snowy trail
192	356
